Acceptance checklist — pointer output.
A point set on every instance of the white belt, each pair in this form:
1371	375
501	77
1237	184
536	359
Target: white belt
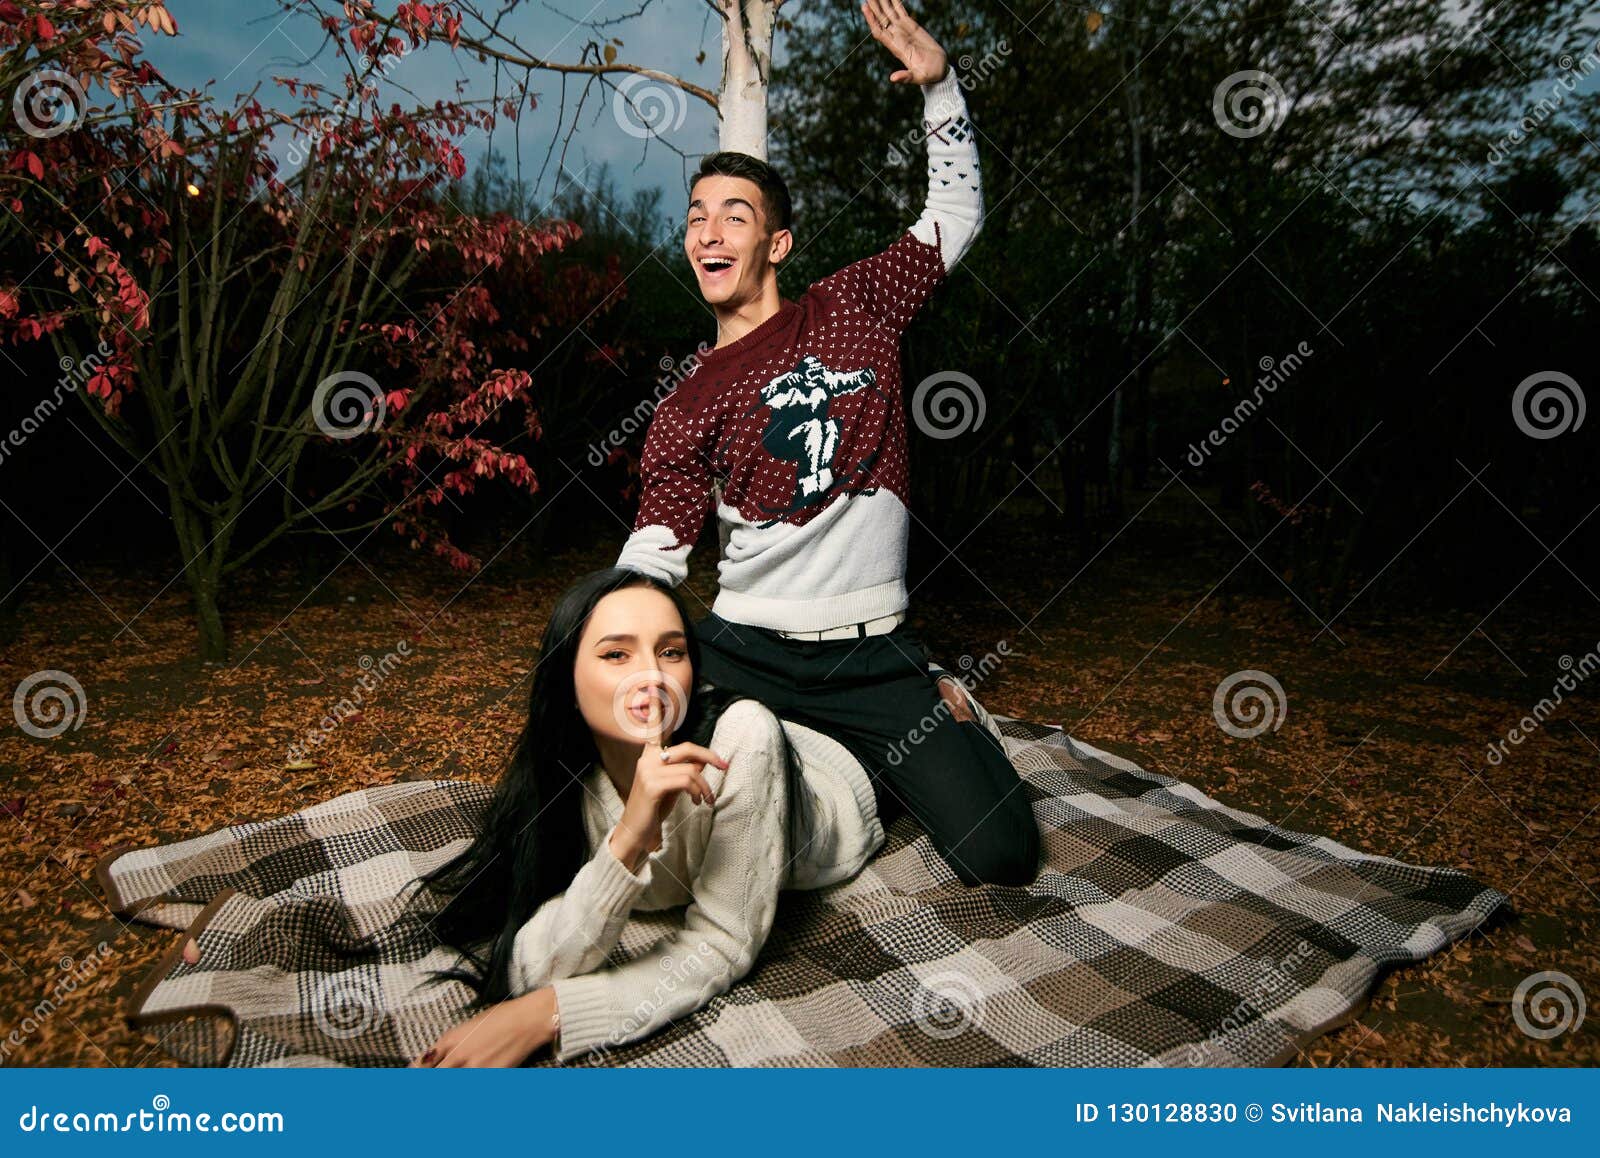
879	626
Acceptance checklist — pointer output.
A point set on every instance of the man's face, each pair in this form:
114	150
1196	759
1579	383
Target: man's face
726	239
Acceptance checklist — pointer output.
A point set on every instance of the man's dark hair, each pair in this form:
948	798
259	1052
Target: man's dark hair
779	210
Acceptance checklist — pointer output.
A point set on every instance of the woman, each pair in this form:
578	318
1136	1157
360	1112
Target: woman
597	818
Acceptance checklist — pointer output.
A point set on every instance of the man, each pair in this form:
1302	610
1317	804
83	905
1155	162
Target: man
798	413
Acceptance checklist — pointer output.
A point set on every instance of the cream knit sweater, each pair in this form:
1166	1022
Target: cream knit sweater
724	862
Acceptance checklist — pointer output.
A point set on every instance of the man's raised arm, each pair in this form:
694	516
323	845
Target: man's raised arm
892	285
954	211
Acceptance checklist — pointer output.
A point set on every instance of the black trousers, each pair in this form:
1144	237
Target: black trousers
877	697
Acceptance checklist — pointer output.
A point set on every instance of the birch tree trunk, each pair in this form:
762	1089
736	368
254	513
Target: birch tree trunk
747	29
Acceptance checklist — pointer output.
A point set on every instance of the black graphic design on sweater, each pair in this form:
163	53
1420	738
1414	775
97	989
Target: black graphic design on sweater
801	430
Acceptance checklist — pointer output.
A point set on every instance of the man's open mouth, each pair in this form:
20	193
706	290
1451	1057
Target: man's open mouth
715	266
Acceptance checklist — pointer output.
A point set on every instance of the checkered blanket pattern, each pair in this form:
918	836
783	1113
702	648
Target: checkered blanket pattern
1164	928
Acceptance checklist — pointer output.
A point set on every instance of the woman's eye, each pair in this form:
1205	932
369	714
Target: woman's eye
674	652
613	652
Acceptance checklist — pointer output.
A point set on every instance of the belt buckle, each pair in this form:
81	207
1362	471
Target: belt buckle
857	630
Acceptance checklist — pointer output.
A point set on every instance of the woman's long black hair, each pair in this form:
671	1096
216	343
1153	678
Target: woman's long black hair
532	842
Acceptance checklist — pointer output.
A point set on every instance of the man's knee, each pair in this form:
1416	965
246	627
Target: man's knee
1004	852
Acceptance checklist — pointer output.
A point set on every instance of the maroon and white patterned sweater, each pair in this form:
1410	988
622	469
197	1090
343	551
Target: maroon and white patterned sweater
802	421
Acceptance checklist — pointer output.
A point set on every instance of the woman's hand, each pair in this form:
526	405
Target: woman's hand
502	1035
891	26
657	783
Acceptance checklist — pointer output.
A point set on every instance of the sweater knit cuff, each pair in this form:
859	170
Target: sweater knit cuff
587	1020
615	888
944	97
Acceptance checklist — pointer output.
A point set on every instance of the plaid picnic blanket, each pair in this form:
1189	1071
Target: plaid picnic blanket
1164	928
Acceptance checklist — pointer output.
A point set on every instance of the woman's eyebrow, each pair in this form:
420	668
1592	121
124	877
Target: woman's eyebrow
632	638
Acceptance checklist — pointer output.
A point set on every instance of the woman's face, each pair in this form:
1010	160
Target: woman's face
633	648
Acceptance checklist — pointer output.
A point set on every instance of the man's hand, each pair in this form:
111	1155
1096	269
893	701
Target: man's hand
891	26
955	698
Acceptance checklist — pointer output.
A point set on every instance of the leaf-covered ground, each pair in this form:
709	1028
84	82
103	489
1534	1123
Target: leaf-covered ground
1389	717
